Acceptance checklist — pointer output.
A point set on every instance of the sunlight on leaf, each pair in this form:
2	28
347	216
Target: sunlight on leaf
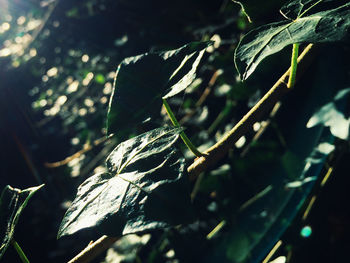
145	189
331	116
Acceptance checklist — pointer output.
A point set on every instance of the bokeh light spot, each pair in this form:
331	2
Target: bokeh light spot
241	141
108	88
52	72
73	86
5	26
85	58
21	20
306	231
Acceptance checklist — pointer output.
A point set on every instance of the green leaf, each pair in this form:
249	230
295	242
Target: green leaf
295	8
12	203
142	80
330	115
326	26
145	189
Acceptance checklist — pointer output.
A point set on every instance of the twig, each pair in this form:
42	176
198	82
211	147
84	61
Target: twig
94	249
264	125
207	90
221	148
85	149
91	164
216	229
203	97
290	84
272	252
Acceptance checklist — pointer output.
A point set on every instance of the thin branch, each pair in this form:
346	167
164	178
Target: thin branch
86	148
218	151
203	97
94	249
264	125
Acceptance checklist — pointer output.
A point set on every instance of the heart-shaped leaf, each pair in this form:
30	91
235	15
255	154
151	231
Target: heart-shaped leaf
144	190
142	80
325	26
331	115
12	203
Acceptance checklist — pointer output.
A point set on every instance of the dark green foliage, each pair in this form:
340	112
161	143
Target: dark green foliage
272	38
144	190
12	203
142	80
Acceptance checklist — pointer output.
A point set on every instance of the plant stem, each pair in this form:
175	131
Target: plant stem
183	136
20	252
293	66
219	150
94	249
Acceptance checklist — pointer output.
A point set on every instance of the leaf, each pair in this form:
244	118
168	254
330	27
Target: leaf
145	189
295	8
141	81
331	116
12	203
326	26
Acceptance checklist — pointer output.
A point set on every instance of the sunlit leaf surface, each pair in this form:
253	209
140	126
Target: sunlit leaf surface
145	189
326	26
12	203
142	80
331	115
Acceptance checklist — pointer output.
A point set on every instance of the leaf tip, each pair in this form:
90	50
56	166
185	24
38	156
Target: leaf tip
61	231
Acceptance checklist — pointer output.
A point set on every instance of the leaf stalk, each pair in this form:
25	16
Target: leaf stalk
293	66
20	252
183	136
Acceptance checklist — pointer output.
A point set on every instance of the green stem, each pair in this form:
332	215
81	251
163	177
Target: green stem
183	136
20	252
293	66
